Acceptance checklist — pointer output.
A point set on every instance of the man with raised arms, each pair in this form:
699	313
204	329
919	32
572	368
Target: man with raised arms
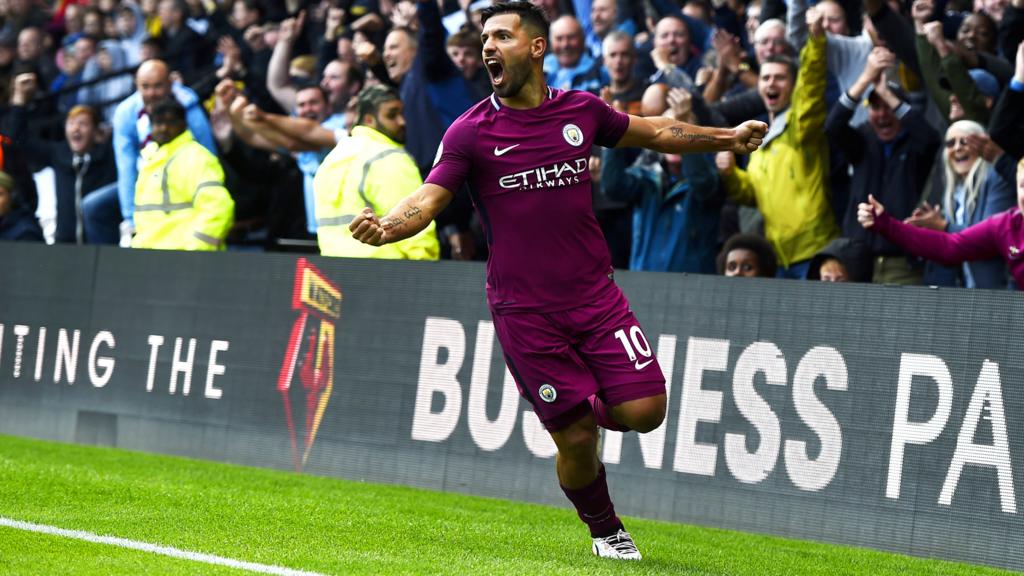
576	351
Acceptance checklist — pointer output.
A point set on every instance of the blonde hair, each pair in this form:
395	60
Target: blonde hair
975	177
306	63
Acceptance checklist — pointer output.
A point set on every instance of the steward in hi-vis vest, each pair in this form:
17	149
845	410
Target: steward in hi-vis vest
180	199
369	169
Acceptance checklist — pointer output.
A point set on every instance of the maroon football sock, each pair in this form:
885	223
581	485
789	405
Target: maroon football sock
595	507
603	415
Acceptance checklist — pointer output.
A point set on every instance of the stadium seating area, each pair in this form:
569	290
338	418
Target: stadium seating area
918	103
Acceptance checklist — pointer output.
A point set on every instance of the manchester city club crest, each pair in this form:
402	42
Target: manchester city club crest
547	393
572	134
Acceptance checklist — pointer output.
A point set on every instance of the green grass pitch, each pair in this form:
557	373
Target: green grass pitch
341	527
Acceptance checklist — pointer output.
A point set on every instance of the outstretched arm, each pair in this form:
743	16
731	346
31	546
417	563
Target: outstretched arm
278	83
978	242
671	136
405	220
304	130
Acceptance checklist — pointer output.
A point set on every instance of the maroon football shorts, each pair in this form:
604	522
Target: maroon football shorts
559	359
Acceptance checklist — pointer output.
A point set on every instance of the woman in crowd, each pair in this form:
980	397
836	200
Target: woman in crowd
973	191
1001	236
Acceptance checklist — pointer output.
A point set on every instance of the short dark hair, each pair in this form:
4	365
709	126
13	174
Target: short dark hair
678	18
256	5
466	39
369	100
307	85
168	107
155	43
180	6
784	60
530	15
766	259
353	73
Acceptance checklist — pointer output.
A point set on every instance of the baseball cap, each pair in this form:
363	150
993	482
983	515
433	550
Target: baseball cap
985	81
987	84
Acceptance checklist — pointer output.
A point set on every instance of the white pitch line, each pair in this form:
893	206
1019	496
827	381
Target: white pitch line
155	549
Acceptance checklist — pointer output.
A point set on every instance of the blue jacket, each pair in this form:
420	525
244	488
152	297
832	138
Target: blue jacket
997	194
131	129
588	75
675	225
433	91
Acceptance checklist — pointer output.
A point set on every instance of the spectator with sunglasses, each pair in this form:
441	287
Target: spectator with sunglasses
973	191
1000	237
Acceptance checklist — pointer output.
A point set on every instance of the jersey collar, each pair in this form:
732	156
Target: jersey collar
497	103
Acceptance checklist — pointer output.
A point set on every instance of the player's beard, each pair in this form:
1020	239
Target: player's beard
515	78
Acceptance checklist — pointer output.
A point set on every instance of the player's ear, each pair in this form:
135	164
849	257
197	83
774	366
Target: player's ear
538	47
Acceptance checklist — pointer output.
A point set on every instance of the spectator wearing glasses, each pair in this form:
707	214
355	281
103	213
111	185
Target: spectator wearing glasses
973	191
999	238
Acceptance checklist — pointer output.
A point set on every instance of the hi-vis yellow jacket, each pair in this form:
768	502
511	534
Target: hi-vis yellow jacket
367	170
180	199
787	178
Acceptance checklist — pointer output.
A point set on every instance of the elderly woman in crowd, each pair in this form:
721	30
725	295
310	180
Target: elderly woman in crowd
972	190
1000	236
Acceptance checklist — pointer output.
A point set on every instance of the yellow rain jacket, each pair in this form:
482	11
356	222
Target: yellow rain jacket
787	178
180	199
367	170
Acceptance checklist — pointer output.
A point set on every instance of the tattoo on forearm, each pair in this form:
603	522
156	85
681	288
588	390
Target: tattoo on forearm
389	223
690	137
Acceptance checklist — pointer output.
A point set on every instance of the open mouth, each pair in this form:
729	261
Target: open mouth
496	70
772	98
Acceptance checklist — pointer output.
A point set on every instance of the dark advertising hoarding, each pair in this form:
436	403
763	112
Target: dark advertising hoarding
868	415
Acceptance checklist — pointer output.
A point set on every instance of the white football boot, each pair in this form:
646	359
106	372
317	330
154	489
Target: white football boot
619	546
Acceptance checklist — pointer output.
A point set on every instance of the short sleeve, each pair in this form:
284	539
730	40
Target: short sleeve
454	157
611	125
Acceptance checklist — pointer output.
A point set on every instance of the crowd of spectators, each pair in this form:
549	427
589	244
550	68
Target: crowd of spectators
202	124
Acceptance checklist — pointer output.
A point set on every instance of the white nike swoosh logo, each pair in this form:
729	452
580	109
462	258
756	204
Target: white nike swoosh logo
641	365
501	151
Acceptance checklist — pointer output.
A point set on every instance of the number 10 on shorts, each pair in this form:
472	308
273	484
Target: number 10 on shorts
636	342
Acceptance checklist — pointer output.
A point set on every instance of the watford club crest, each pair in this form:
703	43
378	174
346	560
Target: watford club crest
307	373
